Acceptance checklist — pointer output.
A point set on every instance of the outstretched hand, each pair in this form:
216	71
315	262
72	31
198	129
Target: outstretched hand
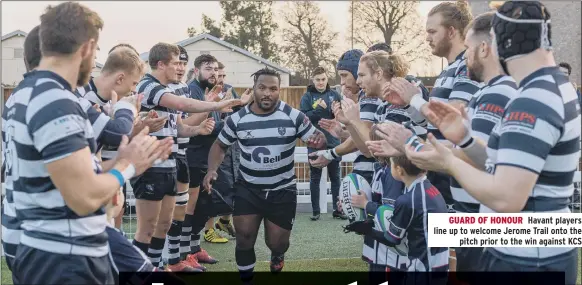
433	157
451	121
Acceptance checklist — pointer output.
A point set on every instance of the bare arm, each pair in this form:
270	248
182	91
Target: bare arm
216	155
360	134
346	147
189	105
186	131
76	169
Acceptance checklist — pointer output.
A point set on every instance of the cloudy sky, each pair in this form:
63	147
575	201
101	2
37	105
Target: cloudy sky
145	23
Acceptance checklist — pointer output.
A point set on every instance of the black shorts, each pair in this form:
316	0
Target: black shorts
35	266
196	176
278	206
154	186
183	170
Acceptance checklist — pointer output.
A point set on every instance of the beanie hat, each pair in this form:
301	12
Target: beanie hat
183	54
349	61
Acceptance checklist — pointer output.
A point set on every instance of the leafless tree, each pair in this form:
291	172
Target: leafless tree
394	22
308	38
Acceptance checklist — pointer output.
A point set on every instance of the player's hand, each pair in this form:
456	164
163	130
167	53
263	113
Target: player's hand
206	126
320	159
97	107
143	150
338	112
433	157
351	110
246	97
404	89
210	177
388	94
322	104
134	100
153	122
364	227
382	149
225	106
212	95
333	127
395	134
317	140
359	201
452	122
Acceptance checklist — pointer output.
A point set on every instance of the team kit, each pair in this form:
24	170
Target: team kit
499	132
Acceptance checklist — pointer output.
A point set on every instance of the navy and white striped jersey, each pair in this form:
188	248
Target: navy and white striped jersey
410	221
44	122
452	84
108	132
153	91
267	144
539	132
363	164
181	89
485	111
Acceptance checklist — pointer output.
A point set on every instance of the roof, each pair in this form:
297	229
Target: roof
23	34
205	36
13	34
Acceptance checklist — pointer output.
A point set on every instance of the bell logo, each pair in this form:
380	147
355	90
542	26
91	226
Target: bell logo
263	155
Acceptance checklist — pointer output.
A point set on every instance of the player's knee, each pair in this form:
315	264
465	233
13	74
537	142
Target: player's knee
279	246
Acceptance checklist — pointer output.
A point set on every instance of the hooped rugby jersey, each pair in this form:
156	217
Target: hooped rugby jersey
181	89
43	122
267	144
365	165
153	92
540	133
485	111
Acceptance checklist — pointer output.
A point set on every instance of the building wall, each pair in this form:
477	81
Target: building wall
566	32
239	67
13	62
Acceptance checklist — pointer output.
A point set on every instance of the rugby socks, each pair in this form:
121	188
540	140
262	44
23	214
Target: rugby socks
186	236
245	261
142	246
174	235
195	243
155	250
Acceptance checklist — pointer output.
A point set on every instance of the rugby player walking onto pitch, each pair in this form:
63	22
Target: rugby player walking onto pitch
266	131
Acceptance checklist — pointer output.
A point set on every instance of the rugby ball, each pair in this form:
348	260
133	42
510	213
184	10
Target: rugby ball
354	184
382	223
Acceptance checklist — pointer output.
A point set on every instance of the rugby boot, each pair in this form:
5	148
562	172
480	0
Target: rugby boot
212	236
192	261
203	257
277	263
183	266
227	227
339	215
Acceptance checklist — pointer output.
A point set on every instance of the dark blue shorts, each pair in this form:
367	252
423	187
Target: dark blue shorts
35	266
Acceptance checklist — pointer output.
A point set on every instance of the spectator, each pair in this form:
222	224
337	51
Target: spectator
316	104
566	68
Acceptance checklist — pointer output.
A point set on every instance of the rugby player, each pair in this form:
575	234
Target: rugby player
155	191
228	168
445	28
266	131
63	224
175	263
535	148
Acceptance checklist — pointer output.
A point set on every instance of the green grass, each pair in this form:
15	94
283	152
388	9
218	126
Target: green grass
315	246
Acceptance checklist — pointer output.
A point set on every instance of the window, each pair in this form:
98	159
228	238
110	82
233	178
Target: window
18	53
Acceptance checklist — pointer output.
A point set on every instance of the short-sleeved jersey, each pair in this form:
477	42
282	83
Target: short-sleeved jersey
43	123
485	111
540	133
126	257
267	144
452	84
181	89
410	221
153	91
368	109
